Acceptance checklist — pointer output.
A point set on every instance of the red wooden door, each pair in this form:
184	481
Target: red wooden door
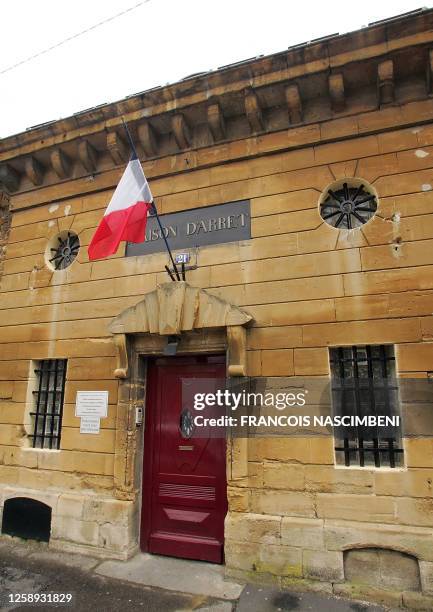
184	478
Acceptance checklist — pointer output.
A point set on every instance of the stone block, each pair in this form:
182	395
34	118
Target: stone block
285	503
399	571
417	601
343	535
13	455
36	479
277	362
70	505
102	443
293	313
346	150
426	573
362	566
241	555
381	568
410	483
414	511
284	202
238	499
323	565
75	530
331	479
274	337
9	475
362	332
319	450
419	452
283	476
252	528
349	507
311	361
279	560
254	363
302	532
114	537
107	510
415	357
255	474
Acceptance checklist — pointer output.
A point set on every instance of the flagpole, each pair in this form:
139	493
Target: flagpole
153	205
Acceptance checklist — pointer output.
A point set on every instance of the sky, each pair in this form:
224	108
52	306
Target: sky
158	42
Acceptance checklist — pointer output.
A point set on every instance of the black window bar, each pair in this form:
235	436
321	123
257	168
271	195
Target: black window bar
363	384
48	402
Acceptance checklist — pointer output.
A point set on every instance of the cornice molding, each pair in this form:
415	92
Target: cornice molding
322	81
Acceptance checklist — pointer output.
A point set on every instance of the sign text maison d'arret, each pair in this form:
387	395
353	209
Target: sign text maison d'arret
196	227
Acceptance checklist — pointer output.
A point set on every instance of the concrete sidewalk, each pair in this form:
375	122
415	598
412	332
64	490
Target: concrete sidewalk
146	582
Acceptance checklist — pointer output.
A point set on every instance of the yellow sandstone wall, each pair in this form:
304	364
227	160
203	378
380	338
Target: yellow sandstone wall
307	285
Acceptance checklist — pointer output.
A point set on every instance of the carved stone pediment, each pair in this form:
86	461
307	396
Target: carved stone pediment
177	307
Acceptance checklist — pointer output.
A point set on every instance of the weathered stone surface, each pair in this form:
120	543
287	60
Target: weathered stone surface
302	532
285	503
331	479
253	527
343	535
369	593
270	559
410	483
70	505
238	499
176	307
287	476
347	507
323	565
385	569
75	530
426	573
419	452
279	560
417	601
241	555
107	510
415	511
115	537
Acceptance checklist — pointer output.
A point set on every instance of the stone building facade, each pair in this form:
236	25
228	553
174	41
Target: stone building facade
278	132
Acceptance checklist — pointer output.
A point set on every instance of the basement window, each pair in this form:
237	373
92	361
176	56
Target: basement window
27	518
364	384
48	399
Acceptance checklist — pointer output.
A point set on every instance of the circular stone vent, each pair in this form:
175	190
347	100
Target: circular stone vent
348	205
62	250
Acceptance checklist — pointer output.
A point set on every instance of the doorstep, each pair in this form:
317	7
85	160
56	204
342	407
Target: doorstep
194	577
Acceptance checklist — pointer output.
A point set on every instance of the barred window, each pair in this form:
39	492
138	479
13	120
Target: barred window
364	384
48	403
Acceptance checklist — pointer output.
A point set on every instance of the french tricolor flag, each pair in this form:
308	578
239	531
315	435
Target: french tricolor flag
126	214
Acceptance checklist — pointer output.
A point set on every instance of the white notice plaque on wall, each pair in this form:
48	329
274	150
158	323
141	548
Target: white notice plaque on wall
90	424
91	404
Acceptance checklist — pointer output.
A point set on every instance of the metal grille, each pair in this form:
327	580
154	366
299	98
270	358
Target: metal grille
364	383
48	403
348	207
66	251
